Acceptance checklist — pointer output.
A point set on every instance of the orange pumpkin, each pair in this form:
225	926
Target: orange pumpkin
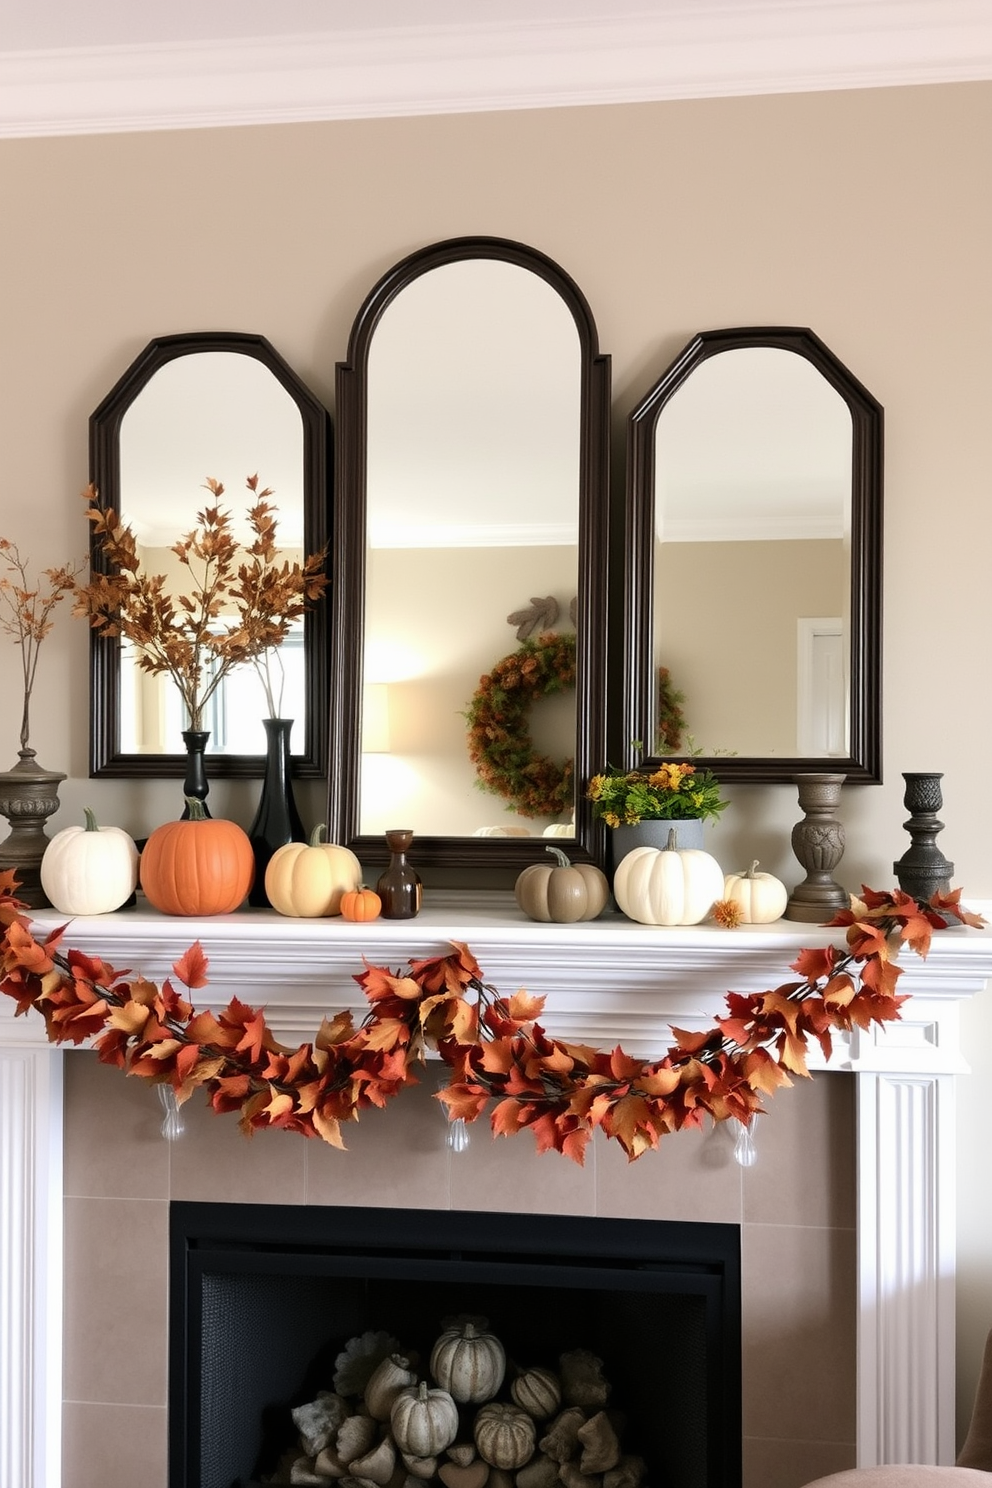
361	904
201	866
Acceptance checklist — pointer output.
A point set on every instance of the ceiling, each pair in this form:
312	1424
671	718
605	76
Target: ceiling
110	65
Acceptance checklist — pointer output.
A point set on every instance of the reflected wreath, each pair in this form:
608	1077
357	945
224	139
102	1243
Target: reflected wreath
499	741
495	1049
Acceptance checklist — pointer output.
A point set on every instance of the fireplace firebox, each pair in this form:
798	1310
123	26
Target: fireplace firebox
263	1297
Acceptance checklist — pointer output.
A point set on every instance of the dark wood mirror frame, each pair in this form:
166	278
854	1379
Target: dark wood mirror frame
348	574
863	762
106	756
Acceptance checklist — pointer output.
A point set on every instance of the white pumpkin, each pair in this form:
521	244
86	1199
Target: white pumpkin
760	897
560	829
89	870
469	1364
668	886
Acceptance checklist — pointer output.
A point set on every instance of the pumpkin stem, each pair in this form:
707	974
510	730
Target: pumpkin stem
752	870
91	825
197	811
672	844
563	862
316	836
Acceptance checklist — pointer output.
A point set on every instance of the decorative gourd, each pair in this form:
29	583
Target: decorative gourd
423	1421
89	870
309	879
386	1382
202	865
468	1364
760	897
361	905
538	1392
505	1435
562	892
666	886
560	829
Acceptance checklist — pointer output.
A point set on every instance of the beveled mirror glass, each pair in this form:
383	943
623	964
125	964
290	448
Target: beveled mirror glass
225	406
472	419
754	561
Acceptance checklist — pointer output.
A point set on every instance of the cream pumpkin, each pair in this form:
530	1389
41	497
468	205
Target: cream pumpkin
668	886
760	897
89	870
309	879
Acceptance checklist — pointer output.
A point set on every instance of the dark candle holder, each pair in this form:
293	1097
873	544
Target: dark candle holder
818	842
29	795
923	870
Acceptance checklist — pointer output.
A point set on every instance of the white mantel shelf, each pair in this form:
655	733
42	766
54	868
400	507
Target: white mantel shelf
608	981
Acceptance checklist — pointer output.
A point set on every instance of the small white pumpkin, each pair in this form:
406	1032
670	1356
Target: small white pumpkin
668	886
468	1363
89	870
505	1435
423	1421
560	829
760	897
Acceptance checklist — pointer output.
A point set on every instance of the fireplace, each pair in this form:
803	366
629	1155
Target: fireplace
264	1297
83	1386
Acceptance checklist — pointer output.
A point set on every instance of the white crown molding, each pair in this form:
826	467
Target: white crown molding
712	49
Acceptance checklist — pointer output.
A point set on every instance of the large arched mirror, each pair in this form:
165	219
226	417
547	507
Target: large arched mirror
226	406
753	583
472	425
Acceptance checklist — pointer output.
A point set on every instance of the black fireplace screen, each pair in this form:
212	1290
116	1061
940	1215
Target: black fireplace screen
264	1297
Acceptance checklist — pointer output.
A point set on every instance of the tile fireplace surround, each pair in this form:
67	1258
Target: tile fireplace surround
607	982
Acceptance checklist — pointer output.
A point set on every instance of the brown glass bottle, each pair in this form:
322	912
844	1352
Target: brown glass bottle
399	885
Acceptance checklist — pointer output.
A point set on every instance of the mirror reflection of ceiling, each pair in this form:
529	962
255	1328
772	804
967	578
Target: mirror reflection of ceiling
473	412
212	413
755	445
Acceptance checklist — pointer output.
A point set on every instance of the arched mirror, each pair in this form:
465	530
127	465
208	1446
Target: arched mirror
753	584
472	522
226	406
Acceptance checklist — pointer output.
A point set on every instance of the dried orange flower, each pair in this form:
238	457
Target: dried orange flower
728	914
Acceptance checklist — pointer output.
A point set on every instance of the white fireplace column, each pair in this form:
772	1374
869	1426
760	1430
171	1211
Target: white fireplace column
607	982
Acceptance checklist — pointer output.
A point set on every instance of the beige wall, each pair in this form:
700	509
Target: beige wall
865	216
726	626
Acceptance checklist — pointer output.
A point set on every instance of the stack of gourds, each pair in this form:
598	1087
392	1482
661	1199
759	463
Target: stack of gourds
462	1427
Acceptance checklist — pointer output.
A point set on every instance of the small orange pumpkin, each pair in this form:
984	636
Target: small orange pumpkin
361	905
202	865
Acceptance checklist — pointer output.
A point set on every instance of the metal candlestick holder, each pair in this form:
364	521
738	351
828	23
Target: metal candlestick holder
818	842
923	870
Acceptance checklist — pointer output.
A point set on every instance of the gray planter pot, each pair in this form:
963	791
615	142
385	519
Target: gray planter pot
655	834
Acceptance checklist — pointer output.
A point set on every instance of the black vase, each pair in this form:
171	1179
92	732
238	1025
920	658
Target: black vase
277	821
195	782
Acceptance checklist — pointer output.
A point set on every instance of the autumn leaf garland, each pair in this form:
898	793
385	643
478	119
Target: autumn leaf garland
498	1053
